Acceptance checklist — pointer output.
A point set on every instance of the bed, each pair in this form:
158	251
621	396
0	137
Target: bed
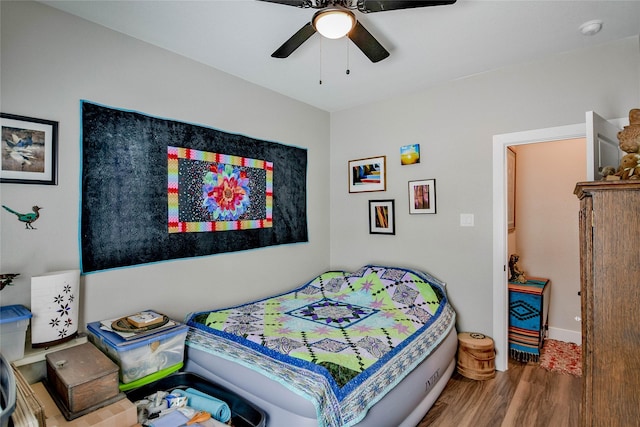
369	348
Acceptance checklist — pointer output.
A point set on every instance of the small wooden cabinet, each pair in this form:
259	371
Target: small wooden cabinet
610	290
82	379
528	313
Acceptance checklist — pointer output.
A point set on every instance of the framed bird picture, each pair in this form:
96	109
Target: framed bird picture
29	150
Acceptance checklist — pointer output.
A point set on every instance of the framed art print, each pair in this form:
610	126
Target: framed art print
410	154
422	196
511	189
382	217
368	174
29	150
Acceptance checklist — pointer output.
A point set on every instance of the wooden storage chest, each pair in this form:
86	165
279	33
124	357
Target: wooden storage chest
82	378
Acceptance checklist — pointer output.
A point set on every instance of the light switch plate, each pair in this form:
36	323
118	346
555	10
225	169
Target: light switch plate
466	220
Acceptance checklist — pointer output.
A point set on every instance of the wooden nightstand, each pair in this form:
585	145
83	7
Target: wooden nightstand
528	311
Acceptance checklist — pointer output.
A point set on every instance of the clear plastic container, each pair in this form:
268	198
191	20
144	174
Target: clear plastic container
14	320
144	356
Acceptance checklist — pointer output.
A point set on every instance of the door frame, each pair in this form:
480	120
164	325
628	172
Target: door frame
500	261
592	130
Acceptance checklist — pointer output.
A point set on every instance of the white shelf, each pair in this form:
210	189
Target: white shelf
34	355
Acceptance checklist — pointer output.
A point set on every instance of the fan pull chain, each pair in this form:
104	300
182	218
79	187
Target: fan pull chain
320	62
348	70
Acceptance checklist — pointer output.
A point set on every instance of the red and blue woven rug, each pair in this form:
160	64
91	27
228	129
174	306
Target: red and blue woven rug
562	357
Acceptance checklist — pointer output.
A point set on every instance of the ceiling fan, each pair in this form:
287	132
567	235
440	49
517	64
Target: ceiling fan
341	15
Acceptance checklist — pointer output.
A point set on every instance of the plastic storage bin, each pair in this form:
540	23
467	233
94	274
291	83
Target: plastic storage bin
151	378
14	320
7	391
243	413
142	356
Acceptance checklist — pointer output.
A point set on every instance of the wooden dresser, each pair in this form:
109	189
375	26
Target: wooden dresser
610	289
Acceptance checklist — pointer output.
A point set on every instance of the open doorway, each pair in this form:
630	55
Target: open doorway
500	222
544	229
600	137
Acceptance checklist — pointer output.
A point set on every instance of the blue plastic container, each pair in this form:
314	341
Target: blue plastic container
14	320
7	391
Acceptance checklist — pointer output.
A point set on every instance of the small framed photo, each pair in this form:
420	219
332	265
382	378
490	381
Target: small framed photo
511	189
382	217
29	150
422	196
410	154
368	174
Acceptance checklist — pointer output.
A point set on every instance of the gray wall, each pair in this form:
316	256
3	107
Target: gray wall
50	60
454	124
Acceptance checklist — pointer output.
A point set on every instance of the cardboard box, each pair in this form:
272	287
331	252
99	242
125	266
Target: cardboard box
122	413
82	377
29	410
7	392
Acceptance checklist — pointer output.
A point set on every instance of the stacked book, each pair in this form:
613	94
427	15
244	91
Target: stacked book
138	326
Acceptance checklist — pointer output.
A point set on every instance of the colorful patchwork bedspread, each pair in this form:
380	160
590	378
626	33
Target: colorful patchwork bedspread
343	340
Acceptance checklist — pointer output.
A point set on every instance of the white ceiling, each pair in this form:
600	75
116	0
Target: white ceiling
428	45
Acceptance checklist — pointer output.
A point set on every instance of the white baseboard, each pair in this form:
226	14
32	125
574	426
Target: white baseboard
565	335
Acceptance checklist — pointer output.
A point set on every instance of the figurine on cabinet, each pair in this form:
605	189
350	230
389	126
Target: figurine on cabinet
629	138
515	273
629	166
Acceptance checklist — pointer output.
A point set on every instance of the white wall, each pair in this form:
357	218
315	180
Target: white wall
547	224
454	124
50	60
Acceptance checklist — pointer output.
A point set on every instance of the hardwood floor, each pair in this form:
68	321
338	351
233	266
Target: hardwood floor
523	396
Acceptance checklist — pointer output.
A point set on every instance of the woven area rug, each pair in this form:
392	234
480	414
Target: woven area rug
562	357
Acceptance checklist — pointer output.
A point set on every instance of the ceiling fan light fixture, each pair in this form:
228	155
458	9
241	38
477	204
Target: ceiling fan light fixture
334	23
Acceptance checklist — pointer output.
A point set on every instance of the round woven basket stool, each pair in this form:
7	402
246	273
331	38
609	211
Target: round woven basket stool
476	356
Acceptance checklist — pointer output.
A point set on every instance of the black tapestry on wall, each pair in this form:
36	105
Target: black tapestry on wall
155	190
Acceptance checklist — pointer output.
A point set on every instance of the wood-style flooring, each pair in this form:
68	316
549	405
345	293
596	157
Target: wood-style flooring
523	396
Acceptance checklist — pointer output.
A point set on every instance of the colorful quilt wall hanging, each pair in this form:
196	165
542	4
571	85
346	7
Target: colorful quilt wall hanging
155	190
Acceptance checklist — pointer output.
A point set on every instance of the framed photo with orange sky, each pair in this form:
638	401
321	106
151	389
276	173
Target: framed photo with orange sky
410	154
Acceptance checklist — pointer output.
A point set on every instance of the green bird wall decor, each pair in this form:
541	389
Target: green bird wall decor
28	218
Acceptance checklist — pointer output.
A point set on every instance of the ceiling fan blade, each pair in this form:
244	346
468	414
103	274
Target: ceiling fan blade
367	43
295	41
296	3
367	6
